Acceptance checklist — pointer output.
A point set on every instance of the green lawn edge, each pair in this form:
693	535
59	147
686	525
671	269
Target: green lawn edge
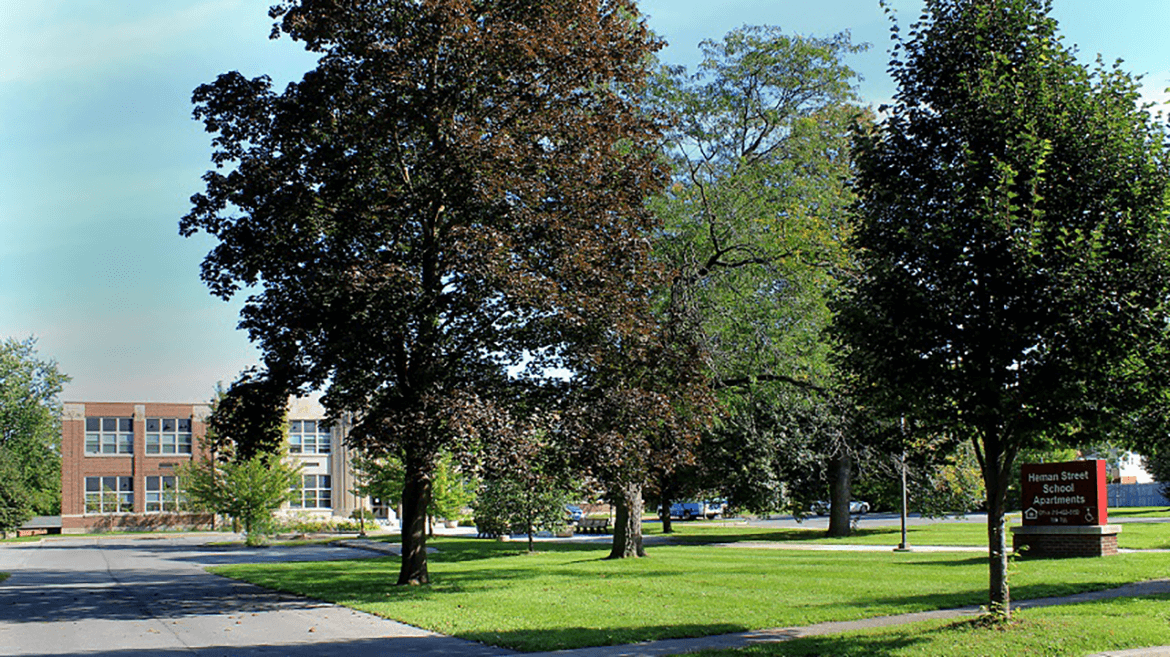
1077	629
569	596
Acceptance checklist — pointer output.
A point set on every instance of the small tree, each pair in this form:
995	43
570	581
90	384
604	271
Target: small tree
453	490
513	505
381	477
527	479
249	491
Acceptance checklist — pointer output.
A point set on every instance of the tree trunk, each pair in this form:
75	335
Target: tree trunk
664	514
627	529
996	470
416	497
530	524
840	494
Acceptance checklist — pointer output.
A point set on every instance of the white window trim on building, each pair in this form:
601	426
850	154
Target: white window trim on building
309	437
109	436
163	494
316	492
107	495
165	435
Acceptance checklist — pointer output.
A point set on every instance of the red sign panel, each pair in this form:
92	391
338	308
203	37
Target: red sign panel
1070	493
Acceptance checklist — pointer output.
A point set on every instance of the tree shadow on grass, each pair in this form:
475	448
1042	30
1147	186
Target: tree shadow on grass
569	638
863	645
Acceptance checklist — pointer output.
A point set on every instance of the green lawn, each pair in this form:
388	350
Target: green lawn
1139	512
1133	536
1066	630
22	539
569	596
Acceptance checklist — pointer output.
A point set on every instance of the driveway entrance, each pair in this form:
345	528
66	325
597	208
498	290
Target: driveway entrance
150	596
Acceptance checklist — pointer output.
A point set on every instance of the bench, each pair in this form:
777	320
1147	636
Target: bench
593	526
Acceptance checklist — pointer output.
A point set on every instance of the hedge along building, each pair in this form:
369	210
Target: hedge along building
118	463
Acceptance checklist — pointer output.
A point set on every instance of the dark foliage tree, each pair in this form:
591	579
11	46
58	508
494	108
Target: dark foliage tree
641	408
455	190
249	418
1012	231
527	481
30	426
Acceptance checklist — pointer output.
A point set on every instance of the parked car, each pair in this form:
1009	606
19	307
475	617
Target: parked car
692	510
856	507
574	513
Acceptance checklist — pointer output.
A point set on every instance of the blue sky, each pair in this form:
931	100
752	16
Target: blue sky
99	155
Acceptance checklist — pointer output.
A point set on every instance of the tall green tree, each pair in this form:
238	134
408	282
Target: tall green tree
1012	232
754	234
30	427
457	188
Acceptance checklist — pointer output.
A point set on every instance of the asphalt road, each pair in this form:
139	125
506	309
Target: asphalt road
132	597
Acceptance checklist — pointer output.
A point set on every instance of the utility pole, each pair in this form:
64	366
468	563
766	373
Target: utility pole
904	546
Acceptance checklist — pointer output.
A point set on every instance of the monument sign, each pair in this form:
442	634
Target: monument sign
1072	493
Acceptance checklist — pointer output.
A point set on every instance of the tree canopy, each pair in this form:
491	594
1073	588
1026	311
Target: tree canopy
1011	239
30	431
455	194
755	225
249	418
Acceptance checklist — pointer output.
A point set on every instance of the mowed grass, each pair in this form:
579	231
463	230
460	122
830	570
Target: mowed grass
1133	536
569	596
1079	629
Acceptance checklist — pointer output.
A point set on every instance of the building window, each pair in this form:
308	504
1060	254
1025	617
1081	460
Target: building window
163	494
109	494
316	493
166	435
109	435
309	437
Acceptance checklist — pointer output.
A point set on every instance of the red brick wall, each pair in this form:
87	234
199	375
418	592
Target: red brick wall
76	466
1066	545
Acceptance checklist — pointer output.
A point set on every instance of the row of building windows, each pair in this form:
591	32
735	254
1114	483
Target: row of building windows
115	435
116	494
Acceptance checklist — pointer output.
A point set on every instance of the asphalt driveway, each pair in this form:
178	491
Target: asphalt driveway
150	596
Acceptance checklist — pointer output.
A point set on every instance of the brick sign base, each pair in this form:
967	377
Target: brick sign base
1066	541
